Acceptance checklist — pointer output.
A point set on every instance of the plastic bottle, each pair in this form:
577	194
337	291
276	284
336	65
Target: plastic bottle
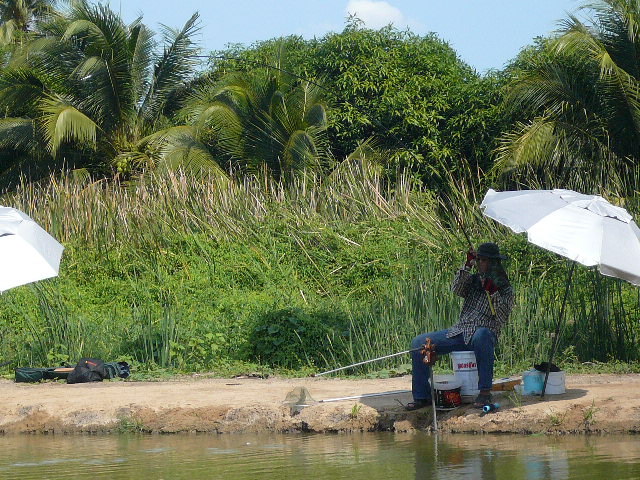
492	407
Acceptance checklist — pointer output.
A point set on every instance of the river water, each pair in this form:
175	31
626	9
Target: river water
367	456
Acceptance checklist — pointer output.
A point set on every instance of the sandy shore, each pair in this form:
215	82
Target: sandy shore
592	404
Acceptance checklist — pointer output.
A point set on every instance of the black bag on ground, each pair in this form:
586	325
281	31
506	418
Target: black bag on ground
88	370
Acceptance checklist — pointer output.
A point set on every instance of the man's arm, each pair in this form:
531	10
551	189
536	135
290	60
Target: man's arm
462	282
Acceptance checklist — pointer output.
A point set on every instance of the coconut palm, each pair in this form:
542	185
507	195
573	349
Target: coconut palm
93	86
261	119
581	93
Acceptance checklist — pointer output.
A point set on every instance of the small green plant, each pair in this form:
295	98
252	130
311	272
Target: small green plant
515	398
130	425
292	337
555	418
355	410
55	358
589	414
569	356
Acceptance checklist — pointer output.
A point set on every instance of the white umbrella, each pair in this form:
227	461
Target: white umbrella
27	252
584	228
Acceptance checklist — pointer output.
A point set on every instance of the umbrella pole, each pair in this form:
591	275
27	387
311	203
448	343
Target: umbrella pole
556	336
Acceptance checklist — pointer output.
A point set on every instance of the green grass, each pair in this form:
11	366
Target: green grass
176	274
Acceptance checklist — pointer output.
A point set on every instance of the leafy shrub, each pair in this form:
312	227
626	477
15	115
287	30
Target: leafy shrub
292	338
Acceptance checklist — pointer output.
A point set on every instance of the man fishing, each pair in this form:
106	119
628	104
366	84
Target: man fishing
488	300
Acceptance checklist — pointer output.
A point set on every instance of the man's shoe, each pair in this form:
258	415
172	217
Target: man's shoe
418	404
481	400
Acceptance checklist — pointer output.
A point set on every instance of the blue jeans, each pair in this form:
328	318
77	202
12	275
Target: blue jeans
482	344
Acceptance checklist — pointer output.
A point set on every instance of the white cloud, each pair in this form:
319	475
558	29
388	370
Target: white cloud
376	14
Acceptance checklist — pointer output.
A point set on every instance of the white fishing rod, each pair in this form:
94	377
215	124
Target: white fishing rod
367	361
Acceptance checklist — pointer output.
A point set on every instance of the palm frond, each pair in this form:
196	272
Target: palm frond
179	149
85	28
316	115
62	123
530	143
547	141
621	86
7	32
225	125
583	96
300	152
17	134
141	47
20	89
104	67
174	67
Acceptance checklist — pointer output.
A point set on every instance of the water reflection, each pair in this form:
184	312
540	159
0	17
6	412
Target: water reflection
353	457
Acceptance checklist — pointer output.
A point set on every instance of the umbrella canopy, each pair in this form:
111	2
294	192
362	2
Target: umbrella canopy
27	252
584	228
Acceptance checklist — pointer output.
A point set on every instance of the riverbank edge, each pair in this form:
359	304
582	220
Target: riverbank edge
335	419
596	404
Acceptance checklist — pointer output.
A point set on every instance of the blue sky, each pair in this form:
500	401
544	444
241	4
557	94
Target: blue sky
485	33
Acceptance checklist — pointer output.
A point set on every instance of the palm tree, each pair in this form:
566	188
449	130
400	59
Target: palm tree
92	86
18	17
261	119
581	93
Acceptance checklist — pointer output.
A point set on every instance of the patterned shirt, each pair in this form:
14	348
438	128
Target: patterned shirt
476	311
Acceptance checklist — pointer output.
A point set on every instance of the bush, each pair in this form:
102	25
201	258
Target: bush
292	338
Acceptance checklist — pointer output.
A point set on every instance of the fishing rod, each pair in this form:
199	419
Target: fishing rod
458	221
354	397
464	232
367	361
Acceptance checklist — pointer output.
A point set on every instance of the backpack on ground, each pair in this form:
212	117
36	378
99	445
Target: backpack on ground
88	370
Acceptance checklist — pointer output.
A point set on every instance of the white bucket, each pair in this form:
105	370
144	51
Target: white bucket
533	381
446	382
465	369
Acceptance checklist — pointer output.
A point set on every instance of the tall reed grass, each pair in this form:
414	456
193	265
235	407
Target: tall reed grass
173	270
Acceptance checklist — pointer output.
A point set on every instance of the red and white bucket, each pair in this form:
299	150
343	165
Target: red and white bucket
465	370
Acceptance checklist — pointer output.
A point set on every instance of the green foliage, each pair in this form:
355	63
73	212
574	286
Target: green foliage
515	398
260	120
130	424
183	275
290	337
411	93
92	88
577	98
17	18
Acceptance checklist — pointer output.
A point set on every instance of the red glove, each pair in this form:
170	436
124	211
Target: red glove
471	258
490	286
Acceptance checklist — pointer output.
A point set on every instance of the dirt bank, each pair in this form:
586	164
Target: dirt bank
593	403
